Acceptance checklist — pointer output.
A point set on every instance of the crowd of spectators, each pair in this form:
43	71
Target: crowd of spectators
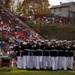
47	19
12	31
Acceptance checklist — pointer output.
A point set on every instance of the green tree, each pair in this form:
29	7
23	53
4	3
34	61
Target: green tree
21	10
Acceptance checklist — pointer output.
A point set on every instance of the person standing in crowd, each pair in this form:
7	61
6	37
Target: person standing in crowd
46	57
70	48
18	50
38	56
60	54
54	55
25	54
65	55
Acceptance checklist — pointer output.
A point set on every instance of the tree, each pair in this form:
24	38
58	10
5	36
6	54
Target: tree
39	6
21	10
6	2
26	3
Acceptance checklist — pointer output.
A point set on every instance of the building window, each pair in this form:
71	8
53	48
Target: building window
54	10
60	10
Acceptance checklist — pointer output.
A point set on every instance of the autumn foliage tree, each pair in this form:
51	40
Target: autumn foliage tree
40	7
6	2
35	7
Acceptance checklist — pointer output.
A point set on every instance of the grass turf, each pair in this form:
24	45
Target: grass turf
14	71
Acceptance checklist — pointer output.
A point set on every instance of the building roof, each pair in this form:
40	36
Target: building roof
63	5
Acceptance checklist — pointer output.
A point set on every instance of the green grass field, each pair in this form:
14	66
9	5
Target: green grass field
14	71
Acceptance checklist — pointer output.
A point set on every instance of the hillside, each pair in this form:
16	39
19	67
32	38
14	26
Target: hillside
58	32
53	31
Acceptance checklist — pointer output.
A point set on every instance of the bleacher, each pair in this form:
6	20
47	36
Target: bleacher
13	30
